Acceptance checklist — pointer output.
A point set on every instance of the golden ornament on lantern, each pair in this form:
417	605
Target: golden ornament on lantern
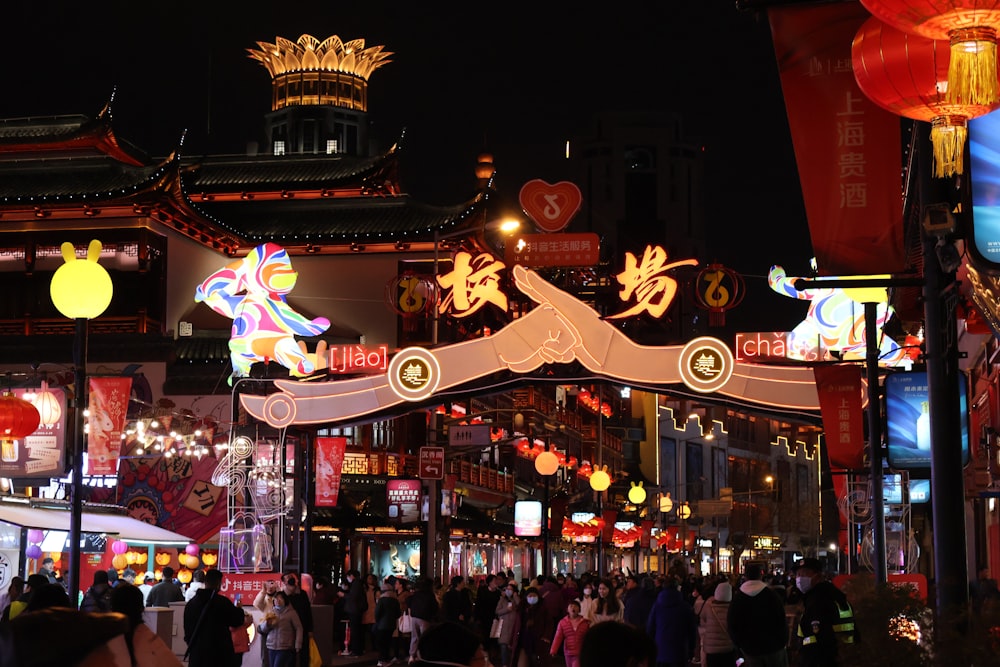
191	561
184	576
969	27
162	558
905	74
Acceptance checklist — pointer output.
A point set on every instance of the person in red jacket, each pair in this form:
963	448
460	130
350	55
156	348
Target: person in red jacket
569	634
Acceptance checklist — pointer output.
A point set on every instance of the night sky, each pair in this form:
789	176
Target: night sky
464	78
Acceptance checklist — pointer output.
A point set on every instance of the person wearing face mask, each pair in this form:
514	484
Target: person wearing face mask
588	601
534	637
282	630
507	612
827	618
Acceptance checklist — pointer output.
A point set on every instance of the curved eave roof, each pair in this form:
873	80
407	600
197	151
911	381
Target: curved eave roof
222	175
55	180
361	219
68	135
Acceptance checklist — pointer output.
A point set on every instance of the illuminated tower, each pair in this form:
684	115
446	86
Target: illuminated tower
319	94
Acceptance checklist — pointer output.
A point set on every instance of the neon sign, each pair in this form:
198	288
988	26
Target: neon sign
358	359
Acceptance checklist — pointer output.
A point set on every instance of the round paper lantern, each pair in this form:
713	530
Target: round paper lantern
35	536
184	576
969	27
49	409
119	562
162	559
600	480
33	551
192	550
209	559
547	463
119	547
81	289
637	494
18	418
191	561
132	557
142	559
905	74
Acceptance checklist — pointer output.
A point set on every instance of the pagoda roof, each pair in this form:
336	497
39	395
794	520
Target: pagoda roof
355	219
67	135
216	175
52	180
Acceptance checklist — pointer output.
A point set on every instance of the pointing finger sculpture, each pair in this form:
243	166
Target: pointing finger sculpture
252	291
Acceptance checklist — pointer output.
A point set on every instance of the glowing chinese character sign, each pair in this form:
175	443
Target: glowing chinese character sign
648	282
471	284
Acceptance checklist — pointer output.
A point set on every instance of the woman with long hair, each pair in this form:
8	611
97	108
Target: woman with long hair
146	648
608	606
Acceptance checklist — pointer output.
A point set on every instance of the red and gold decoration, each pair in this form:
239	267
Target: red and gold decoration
905	74
18	419
535	450
717	290
968	27
411	296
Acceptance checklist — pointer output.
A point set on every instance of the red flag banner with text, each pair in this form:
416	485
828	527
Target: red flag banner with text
839	389
329	461
108	407
847	148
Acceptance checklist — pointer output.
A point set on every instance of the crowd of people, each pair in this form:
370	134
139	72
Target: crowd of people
669	620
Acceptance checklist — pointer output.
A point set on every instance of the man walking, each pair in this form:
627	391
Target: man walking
165	592
356	604
756	622
207	620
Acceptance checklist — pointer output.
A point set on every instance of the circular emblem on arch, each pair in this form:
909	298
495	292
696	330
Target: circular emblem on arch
414	374
706	364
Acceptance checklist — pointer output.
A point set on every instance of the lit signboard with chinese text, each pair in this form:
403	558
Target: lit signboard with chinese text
554	250
359	359
908	432
528	518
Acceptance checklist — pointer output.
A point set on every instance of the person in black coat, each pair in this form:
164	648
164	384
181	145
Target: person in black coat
207	620
456	603
424	609
756	622
356	604
299	600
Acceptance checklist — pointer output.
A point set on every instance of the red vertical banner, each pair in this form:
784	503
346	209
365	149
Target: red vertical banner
647	529
839	389
108	407
329	462
847	148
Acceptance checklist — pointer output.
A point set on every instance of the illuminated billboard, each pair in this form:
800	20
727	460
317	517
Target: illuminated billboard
907	408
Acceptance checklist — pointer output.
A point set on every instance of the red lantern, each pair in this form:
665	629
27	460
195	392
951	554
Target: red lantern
902	73
18	419
969	26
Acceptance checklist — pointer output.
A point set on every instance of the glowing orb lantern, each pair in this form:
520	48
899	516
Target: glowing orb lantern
81	288
192	550
33	551
547	463
184	576
600	480
119	562
637	494
119	547
47	404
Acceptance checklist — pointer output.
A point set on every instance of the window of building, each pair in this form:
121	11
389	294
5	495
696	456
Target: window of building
279	147
694	471
331	146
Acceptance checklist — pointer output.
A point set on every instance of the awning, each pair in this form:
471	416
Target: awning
124	527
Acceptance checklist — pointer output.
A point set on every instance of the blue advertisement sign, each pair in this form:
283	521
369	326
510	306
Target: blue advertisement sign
907	410
984	152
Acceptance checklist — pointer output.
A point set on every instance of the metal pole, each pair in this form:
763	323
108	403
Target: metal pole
308	492
76	488
875	442
600	494
435	320
546	567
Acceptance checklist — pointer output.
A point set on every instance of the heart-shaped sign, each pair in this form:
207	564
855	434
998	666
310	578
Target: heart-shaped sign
550	206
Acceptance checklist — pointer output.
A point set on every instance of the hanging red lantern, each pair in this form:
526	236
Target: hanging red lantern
903	74
718	289
969	27
18	419
412	296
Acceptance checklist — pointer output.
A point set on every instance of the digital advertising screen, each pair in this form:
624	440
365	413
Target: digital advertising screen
984	154
527	518
908	432
920	491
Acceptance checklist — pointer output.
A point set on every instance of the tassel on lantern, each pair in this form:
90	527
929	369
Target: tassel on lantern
948	136
972	72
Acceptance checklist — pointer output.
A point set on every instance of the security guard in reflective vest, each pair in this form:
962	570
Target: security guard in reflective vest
827	618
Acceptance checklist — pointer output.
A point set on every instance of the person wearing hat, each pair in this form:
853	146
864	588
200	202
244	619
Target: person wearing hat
827	618
756	622
33	583
147	585
716	643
